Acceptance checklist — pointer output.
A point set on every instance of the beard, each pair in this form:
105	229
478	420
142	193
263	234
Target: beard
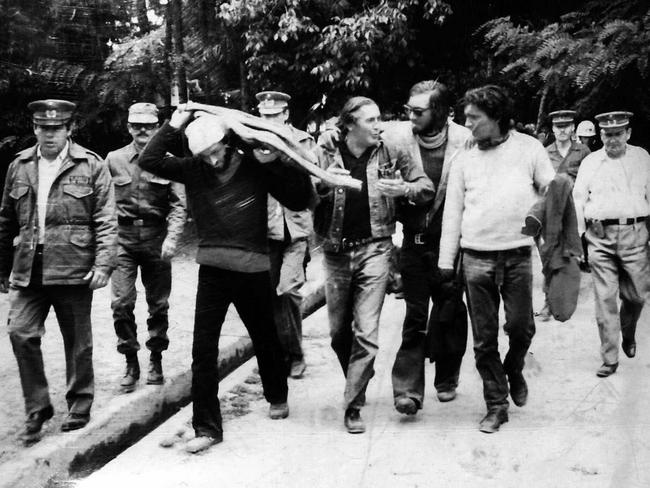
432	128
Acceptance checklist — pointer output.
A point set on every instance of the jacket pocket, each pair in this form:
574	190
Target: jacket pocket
121	180
77	191
81	238
21	203
17	192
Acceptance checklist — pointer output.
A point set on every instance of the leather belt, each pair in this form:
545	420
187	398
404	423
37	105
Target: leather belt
130	221
349	244
623	221
419	239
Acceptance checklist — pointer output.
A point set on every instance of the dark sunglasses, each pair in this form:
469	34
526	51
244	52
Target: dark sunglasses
415	110
143	126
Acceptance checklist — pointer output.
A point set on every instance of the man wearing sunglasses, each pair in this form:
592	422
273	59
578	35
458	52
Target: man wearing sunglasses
150	217
433	141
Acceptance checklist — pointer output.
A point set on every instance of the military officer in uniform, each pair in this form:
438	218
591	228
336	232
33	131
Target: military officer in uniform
288	234
565	153
612	198
58	208
150	218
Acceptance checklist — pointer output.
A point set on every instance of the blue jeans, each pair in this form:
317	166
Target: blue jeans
355	290
489	274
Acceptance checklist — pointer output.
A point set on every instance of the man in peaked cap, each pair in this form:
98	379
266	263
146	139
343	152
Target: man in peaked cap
58	204
565	155
612	198
288	234
150	218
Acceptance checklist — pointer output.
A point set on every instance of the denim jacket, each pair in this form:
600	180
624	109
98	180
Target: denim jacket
329	212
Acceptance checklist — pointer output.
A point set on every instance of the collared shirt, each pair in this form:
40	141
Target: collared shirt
613	188
47	171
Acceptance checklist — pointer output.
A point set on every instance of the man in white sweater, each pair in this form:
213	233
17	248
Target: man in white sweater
612	198
491	187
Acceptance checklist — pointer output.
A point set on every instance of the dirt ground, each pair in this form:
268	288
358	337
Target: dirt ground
577	430
108	364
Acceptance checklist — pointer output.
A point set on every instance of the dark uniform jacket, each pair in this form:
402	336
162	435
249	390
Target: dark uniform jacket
80	225
571	163
140	195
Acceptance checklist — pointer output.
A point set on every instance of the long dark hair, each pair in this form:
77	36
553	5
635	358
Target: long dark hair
495	101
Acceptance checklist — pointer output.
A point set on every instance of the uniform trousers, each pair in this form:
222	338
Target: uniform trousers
287	277
29	307
140	247
619	268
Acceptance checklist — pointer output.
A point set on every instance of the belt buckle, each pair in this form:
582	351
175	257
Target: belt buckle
345	243
418	239
138	222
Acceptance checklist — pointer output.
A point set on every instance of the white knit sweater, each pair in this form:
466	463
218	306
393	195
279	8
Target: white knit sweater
489	194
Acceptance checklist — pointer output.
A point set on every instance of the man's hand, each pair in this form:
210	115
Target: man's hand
4	284
180	117
392	188
97	279
168	250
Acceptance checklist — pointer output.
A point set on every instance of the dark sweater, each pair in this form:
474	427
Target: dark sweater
230	216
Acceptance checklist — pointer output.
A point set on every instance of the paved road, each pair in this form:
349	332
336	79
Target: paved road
576	431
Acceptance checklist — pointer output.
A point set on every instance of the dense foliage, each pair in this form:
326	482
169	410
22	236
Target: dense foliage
591	55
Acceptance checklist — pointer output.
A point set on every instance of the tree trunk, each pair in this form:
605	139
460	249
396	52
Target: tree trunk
542	107
243	86
140	7
179	77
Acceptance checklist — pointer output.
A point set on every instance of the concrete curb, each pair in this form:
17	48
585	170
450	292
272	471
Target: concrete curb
127	419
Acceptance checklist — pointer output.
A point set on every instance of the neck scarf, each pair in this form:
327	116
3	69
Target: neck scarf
432	141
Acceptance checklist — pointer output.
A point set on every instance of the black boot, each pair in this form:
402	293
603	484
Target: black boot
155	376
131	375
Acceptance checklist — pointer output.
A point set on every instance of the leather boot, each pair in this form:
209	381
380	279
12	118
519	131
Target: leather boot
131	375
155	376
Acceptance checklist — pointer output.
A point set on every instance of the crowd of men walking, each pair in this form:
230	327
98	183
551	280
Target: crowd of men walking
465	197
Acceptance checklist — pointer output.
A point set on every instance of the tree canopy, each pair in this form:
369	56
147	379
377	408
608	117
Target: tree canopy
591	55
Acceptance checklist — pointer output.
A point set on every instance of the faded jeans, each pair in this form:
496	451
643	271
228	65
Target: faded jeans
355	290
490	275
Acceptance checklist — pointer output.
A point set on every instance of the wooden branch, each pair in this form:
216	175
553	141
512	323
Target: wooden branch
255	129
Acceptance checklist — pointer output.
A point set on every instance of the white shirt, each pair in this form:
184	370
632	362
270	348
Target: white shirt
47	171
489	193
607	188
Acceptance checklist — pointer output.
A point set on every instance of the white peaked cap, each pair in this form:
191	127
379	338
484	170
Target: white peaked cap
205	131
